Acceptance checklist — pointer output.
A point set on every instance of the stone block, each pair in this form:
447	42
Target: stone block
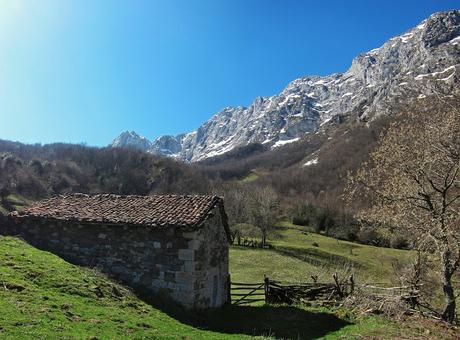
146	279
189	266
185	287
185	298
119	269
170	276
194	244
172	286
33	231
157	284
186	254
189	234
185	277
136	279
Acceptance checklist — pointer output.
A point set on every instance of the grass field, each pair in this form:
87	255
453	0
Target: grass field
298	254
42	296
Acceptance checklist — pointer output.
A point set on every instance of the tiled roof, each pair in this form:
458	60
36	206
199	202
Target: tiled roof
154	211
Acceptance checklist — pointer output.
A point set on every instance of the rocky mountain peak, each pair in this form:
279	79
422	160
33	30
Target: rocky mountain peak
440	28
133	140
423	61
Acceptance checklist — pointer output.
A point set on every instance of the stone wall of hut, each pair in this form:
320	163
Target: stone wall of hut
189	267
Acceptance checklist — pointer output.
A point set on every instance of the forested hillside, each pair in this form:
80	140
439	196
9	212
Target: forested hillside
307	177
37	171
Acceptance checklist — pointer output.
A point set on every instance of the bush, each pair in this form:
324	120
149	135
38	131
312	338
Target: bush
306	214
372	237
399	242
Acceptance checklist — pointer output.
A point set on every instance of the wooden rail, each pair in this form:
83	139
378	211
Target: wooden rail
322	293
246	293
278	292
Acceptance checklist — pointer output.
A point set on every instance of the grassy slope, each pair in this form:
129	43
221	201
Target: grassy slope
42	296
296	257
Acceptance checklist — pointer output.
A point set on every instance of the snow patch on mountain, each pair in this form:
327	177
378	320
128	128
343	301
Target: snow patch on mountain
284	142
311	162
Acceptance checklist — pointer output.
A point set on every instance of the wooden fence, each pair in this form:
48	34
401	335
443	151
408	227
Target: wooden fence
311	293
316	293
251	243
247	293
277	292
381	292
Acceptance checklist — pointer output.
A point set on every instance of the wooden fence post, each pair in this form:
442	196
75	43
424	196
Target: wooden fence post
229	290
352	284
337	284
266	287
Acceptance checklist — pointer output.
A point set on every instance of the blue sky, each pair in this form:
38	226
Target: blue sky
83	71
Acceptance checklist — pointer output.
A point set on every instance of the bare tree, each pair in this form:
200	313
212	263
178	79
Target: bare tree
235	204
263	210
236	208
412	184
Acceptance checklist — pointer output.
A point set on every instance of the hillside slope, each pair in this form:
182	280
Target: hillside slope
39	171
297	254
42	296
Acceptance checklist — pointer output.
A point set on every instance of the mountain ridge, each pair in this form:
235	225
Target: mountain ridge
420	62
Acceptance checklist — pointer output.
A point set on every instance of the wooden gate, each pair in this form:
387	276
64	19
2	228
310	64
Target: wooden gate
247	293
276	292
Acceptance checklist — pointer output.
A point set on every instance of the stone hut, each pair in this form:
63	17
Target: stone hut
171	246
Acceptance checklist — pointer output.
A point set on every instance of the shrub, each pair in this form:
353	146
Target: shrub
399	242
306	214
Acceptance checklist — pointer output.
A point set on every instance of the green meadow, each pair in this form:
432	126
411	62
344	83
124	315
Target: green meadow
42	296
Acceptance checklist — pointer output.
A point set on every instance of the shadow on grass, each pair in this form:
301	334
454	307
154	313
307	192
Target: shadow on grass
316	257
287	322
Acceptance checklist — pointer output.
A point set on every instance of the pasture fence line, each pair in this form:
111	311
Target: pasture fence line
314	293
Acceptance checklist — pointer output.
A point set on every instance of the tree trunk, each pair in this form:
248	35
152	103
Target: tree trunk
449	311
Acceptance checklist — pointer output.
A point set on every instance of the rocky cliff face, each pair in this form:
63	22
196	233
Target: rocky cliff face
421	62
130	139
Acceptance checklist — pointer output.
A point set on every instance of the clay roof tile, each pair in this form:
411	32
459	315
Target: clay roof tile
153	211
